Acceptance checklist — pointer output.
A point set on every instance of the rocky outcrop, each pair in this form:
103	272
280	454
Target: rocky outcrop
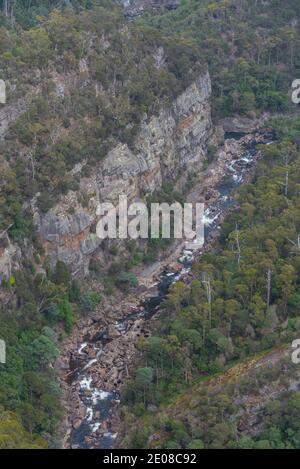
10	113
10	258
169	143
138	7
239	125
176	139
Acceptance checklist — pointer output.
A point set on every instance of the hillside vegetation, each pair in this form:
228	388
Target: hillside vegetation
243	300
251	46
85	78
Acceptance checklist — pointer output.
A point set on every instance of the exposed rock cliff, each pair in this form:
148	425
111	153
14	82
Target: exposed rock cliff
174	140
9	114
10	255
138	7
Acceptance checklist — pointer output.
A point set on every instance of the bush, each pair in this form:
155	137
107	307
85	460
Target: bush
89	301
126	280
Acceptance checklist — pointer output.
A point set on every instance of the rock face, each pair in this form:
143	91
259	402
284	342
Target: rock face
174	140
10	255
239	125
168	144
138	7
9	114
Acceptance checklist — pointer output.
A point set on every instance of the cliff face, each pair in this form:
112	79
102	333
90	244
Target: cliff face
138	7
9	114
169	143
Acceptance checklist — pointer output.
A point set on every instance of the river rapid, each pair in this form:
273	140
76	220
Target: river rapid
96	429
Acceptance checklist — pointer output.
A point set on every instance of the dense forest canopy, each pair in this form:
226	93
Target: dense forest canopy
251	46
130	85
26	13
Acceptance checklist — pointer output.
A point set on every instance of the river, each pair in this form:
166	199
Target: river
95	430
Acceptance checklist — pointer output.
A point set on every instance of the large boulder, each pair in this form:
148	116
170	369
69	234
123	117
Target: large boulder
239	125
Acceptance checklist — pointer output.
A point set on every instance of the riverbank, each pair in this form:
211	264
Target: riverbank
98	357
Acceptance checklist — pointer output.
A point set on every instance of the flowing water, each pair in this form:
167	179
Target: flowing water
98	402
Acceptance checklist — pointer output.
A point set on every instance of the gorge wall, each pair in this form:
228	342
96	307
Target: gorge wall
134	8
168	144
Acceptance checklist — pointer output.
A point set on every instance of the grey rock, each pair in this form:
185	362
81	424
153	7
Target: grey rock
168	143
76	424
138	7
9	113
239	125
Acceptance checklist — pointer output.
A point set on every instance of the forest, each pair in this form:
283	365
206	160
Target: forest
42	304
251	47
130	88
244	298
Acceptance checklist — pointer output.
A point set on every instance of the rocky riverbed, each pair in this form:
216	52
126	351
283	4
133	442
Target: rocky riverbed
99	356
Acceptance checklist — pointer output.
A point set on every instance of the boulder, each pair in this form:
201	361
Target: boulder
76	424
113	332
239	125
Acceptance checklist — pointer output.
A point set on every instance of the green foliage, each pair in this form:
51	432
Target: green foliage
124	82
29	392
89	301
252	49
65	313
61	274
196	444
28	13
43	351
14	436
198	334
125	280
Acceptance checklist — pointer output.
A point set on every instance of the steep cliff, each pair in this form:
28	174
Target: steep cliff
138	7
89	107
247	395
174	140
